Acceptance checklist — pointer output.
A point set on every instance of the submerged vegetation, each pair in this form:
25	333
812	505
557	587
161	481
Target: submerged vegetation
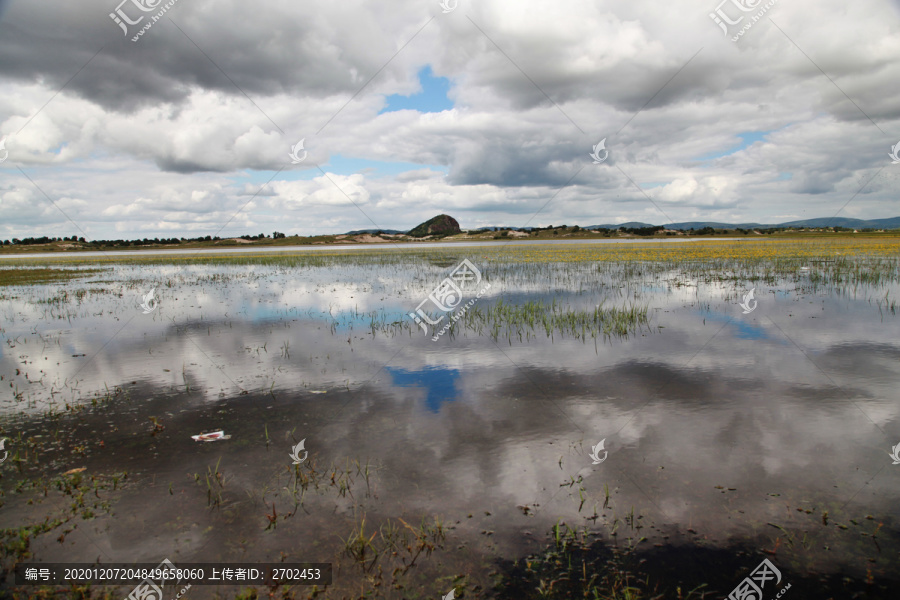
514	320
579	564
35	276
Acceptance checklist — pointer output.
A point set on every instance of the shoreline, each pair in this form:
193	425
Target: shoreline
404	245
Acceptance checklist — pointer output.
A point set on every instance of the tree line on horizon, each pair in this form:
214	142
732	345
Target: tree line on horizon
641	231
30	241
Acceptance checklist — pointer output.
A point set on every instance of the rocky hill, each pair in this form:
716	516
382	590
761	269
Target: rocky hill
440	225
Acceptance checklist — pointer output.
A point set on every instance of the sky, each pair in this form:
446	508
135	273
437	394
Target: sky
487	111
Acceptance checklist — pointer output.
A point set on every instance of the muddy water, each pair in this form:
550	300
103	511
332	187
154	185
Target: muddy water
771	428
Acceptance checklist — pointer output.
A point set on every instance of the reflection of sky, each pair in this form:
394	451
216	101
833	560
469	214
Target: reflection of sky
264	325
743	329
440	383
343	320
687	413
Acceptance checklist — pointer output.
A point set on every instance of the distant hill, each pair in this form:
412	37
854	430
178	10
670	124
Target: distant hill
628	225
891	223
373	231
439	225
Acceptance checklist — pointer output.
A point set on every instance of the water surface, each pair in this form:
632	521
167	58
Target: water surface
770	428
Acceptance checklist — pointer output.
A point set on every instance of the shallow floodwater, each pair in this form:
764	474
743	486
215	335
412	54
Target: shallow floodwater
348	247
770	428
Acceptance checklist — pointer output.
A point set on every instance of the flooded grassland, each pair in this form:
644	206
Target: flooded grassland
615	421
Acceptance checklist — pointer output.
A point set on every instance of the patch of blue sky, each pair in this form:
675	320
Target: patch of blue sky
337	164
748	138
431	99
348	166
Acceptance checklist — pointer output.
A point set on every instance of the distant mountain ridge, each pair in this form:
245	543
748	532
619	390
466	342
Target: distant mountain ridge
373	231
890	223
